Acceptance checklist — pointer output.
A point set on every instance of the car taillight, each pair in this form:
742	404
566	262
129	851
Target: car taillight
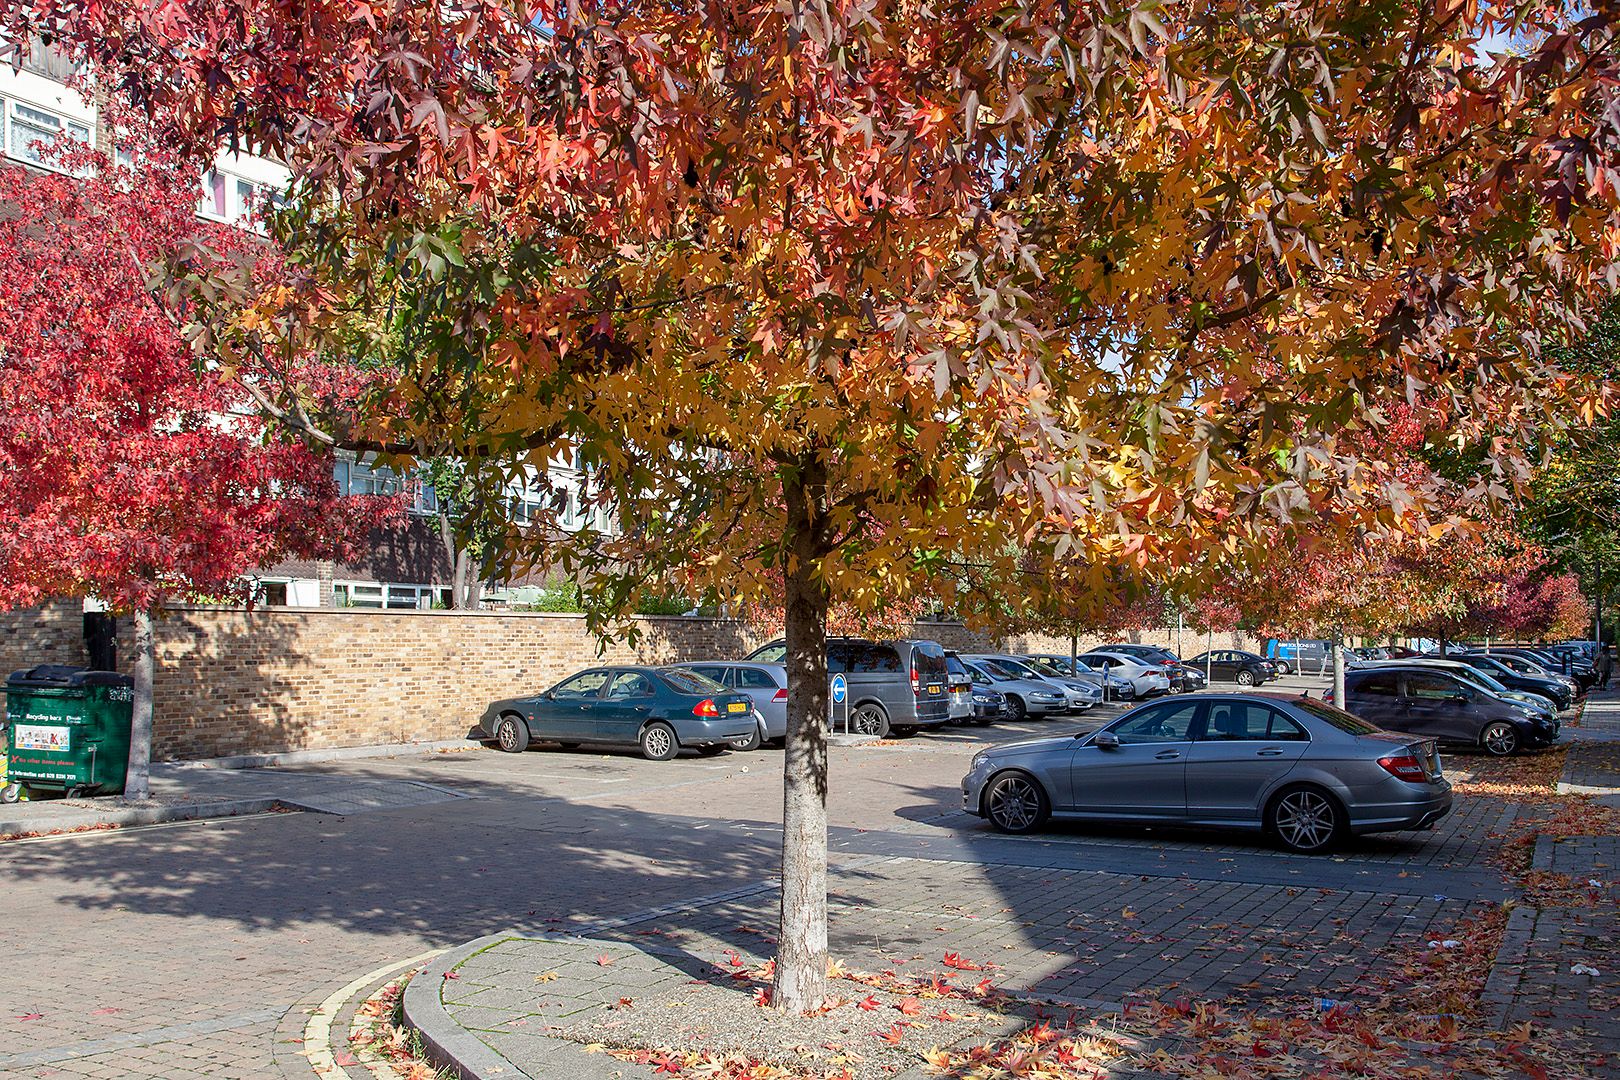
1405	767
706	707
916	683
780	695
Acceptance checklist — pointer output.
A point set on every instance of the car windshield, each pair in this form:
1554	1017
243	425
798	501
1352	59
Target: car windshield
1480	679
976	673
1046	667
687	681
953	666
1345	722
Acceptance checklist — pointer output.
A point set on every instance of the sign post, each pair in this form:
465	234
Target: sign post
840	696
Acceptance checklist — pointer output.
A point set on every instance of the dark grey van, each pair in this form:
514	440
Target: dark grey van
894	686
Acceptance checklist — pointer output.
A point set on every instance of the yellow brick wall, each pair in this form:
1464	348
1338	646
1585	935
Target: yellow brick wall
232	681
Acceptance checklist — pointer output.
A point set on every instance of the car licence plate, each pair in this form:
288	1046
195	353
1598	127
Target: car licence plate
933	689
736	706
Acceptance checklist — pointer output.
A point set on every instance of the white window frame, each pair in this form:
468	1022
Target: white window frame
8	124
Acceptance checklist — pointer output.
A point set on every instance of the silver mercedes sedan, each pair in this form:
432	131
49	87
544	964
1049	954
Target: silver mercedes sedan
1299	769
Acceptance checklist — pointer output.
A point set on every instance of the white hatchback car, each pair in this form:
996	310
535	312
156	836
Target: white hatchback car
1146	677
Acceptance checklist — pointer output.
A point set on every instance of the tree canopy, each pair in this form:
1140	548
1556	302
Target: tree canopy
850	294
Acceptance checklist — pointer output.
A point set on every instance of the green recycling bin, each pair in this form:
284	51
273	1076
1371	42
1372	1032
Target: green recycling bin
67	730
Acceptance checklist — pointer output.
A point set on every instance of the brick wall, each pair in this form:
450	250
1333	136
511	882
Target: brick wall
231	681
53	634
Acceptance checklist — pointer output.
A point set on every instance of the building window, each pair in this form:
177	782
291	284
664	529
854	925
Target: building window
273	593
30	129
357	594
233	199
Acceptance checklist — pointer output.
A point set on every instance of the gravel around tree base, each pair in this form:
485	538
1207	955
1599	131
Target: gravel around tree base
871	1034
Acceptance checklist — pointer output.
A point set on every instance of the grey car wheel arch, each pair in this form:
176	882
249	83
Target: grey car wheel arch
1037	815
873	709
1291	832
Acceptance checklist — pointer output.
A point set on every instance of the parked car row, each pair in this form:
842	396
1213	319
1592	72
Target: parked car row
892	687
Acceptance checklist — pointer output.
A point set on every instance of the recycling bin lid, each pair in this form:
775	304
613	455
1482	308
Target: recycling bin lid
58	676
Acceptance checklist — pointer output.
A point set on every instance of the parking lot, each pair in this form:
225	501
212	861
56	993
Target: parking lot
220	935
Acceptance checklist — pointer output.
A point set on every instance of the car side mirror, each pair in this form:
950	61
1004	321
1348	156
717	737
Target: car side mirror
1105	740
551	695
1460	697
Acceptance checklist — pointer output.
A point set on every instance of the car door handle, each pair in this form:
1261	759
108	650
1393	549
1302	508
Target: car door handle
1270	751
641	710
1167	755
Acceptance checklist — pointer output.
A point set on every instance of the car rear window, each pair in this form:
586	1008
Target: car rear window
1350	725
928	658
686	681
862	657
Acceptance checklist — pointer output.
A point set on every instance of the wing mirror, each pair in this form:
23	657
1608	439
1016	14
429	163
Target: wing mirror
1105	740
551	695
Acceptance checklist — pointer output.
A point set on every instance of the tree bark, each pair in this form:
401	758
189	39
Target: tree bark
800	984
137	781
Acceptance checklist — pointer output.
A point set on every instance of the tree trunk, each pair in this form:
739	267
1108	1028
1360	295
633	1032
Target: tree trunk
800	984
137	781
464	588
454	555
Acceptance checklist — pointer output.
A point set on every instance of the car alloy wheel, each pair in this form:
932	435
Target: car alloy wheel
1305	820
1015	804
1245	678
1500	739
658	742
1015	708
512	735
869	720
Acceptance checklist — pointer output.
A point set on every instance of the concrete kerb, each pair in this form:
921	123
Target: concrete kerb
27	818
446	1043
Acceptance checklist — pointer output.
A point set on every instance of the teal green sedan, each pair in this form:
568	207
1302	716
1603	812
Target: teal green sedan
661	710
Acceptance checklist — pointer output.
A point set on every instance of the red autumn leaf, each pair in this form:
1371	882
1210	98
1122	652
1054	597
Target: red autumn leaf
451	975
952	960
910	1007
734	959
891	1036
604	959
762	996
869	1002
666	1064
32	1016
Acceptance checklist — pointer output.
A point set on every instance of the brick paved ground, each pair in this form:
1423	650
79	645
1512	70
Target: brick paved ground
190	950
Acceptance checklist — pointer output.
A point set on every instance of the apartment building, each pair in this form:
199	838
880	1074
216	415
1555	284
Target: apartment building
410	565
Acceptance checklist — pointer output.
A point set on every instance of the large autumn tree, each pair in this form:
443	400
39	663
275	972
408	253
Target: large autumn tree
126	474
850	294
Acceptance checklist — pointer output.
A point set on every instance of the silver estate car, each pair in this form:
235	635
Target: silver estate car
1305	772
